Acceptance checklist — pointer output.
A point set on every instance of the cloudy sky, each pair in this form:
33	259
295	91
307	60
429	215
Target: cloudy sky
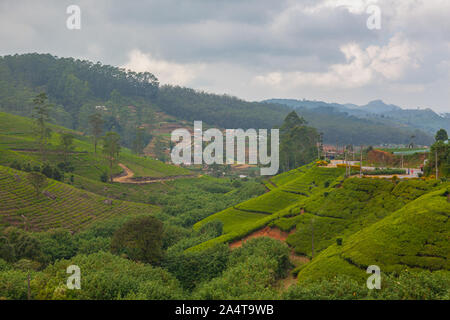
255	49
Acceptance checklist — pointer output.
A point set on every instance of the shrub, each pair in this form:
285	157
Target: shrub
140	239
104	177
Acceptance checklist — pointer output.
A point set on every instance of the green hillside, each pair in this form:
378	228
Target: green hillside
59	206
357	203
412	238
295	187
17	143
396	225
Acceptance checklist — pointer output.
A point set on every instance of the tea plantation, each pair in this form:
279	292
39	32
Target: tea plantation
59	205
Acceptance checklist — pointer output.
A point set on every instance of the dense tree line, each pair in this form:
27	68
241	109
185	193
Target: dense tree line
76	87
220	110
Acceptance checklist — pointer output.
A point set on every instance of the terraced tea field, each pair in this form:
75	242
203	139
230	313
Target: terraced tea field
286	198
17	142
415	237
62	205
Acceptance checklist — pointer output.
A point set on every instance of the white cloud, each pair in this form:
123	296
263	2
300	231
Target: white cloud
353	6
166	72
376	63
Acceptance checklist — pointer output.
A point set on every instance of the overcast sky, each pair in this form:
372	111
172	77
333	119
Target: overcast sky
255	49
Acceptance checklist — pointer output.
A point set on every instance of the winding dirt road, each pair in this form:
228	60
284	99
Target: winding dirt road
127	177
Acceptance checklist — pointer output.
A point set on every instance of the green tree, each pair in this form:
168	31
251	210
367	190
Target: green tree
96	122
140	239
440	150
138	143
24	244
298	142
441	135
111	148
66	144
38	181
159	149
42	115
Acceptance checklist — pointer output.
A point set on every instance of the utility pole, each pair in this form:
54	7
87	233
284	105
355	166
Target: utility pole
402	160
436	158
318	151
347	173
29	288
360	162
312	238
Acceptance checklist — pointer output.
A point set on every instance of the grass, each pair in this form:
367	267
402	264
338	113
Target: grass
270	202
288	176
415	237
276	207
314	178
233	219
358	203
16	133
71	208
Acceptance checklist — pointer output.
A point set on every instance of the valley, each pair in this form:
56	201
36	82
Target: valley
86	179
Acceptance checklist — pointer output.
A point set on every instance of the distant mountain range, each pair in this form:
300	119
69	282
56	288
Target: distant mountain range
423	119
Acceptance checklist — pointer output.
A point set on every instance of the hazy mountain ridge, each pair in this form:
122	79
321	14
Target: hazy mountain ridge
424	119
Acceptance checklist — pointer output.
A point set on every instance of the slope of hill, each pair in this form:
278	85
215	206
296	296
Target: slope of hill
396	225
59	206
17	143
357	203
413	237
285	200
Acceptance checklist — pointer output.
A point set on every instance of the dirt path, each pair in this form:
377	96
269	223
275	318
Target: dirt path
273	233
124	178
127	177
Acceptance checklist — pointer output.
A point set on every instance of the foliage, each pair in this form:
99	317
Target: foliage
251	272
441	135
295	132
414	237
106	277
62	206
387	171
139	239
38	181
66	143
111	148
192	268
16	244
423	285
41	116
96	122
440	150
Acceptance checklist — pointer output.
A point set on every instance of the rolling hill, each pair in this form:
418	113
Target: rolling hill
129	100
59	206
396	225
412	238
17	143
